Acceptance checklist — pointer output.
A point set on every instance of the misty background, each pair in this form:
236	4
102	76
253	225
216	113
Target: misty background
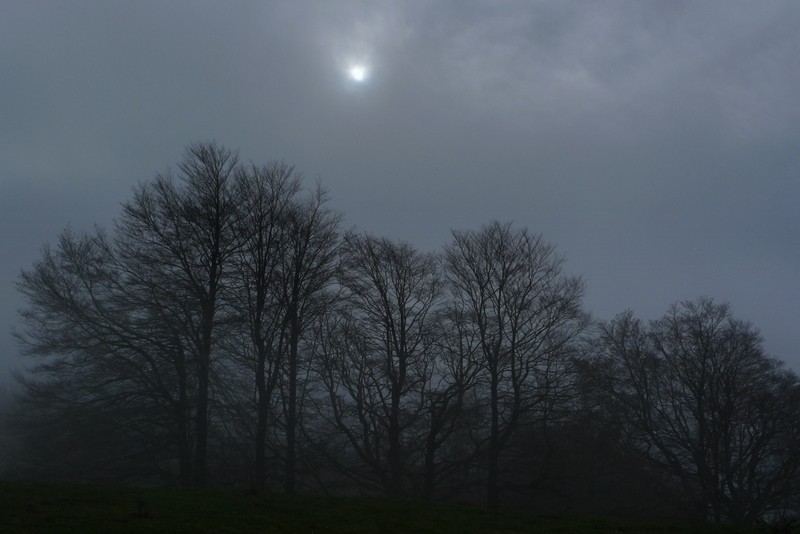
655	144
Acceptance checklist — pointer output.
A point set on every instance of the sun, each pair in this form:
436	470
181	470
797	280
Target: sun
358	73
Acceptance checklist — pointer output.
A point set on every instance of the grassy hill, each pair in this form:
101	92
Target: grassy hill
28	507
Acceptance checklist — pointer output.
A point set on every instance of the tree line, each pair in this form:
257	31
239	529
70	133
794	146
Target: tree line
228	331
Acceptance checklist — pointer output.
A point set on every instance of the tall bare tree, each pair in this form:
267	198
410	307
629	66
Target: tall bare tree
385	361
508	284
448	398
696	395
184	233
266	197
307	269
109	362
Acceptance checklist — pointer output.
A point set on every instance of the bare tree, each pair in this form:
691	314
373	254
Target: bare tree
266	196
448	407
508	283
109	363
189	255
376	375
184	234
305	275
712	413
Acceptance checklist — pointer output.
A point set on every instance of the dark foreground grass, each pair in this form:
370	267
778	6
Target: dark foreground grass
27	507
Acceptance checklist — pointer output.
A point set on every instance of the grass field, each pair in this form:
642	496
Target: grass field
28	507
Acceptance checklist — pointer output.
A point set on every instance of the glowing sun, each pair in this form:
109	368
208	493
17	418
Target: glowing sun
358	73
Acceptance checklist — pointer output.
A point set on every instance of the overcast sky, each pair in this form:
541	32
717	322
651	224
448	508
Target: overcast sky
656	144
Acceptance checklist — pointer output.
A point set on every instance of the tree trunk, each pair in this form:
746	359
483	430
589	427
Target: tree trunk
291	412
492	492
203	368
184	455
260	466
429	474
395	459
201	422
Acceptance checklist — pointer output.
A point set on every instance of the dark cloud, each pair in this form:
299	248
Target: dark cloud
654	142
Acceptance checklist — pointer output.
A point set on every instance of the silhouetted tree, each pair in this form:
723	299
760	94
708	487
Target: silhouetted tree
183	234
266	198
307	268
696	394
509	284
108	362
379	361
448	399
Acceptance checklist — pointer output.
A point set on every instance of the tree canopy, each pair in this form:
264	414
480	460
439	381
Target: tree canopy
226	331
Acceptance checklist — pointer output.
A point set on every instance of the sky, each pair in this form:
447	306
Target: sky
655	143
